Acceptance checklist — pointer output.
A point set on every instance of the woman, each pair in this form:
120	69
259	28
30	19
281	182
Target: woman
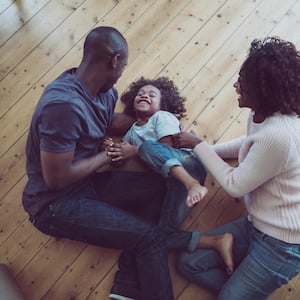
266	250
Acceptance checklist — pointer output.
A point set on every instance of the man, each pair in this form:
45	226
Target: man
65	198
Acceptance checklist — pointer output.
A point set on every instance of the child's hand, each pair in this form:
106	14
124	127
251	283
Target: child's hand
121	151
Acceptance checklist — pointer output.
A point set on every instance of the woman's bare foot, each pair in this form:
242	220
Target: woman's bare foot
224	245
196	192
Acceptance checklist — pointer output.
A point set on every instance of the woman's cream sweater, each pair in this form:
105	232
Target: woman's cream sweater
268	173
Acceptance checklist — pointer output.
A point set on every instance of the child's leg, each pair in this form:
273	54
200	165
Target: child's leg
196	191
174	209
181	165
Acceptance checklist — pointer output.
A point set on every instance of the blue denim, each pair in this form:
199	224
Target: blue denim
161	158
262	264
120	211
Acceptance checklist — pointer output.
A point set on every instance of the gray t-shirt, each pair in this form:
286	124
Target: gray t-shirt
161	124
66	118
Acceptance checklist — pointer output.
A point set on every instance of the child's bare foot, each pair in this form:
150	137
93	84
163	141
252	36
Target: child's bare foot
224	245
196	192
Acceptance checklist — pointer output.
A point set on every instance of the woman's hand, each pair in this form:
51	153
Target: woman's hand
185	140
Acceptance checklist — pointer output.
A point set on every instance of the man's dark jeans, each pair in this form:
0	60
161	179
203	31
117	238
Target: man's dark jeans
121	212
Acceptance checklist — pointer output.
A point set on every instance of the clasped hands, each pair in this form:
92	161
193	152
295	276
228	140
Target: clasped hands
118	152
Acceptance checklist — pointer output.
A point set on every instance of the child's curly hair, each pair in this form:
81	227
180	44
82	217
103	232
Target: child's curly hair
171	100
271	74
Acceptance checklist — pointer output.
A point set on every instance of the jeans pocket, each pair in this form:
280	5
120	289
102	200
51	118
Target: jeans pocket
66	210
283	248
60	220
44	223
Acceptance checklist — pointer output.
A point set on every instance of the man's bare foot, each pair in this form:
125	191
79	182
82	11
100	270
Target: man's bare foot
224	245
196	192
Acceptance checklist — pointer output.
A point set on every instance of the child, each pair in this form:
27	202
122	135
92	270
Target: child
155	103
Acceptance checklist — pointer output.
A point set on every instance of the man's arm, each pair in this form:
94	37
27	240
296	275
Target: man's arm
120	124
59	169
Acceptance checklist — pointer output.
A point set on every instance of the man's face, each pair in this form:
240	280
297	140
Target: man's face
115	71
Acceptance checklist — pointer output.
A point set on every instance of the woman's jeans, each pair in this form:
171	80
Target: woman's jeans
262	264
121	212
161	158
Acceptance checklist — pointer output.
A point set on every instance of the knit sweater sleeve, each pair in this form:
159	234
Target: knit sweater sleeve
262	159
229	149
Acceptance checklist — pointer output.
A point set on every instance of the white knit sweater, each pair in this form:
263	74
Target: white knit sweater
268	174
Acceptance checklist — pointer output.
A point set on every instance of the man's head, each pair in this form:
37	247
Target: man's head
105	55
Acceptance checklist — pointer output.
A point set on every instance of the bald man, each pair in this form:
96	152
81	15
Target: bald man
64	197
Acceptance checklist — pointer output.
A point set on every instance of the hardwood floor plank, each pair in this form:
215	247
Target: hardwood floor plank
217	115
208	40
195	292
21	247
83	276
237	128
290	20
30	36
12	167
5	4
47	266
16	15
12	212
102	290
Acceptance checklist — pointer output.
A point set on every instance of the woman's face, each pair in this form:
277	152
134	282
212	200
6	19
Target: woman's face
245	99
147	100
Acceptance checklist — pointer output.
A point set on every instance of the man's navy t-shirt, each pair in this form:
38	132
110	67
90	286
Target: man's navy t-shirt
66	118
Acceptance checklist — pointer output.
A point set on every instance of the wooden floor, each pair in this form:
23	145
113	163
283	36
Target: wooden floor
200	44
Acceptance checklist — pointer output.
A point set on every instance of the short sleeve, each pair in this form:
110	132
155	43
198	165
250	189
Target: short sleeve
166	124
59	127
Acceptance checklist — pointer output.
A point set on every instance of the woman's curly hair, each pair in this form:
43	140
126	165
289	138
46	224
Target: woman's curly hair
171	100
271	74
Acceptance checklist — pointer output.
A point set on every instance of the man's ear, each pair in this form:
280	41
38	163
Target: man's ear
115	60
